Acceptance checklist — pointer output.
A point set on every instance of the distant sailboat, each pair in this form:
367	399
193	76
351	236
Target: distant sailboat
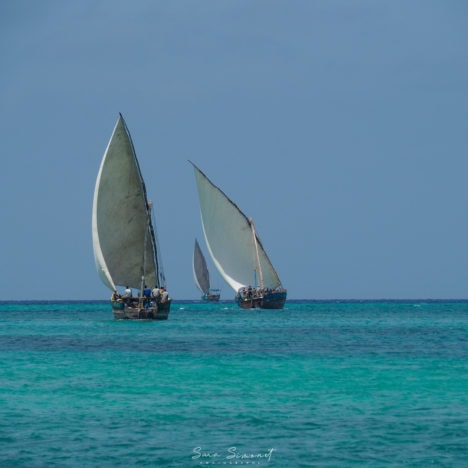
202	276
124	240
236	250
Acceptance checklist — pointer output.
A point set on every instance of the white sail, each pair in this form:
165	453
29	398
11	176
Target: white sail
236	250
200	270
123	237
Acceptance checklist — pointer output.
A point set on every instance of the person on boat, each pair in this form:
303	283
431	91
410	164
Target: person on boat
127	295
164	295
156	293
115	296
146	295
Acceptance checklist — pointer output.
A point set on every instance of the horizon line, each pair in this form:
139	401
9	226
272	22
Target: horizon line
326	300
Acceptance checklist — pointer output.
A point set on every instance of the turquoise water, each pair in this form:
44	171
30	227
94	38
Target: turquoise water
318	384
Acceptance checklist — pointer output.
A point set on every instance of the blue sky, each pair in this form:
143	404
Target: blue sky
340	126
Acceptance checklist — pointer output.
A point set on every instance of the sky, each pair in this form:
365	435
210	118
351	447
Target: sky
339	126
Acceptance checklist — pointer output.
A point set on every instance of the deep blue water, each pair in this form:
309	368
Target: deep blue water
331	384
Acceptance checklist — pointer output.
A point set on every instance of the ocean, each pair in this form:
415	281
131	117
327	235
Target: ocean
318	384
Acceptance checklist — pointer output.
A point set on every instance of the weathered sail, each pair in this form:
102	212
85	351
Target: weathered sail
200	270
123	236
230	239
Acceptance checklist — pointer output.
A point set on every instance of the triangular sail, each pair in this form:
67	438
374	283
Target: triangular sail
231	240
200	270
123	236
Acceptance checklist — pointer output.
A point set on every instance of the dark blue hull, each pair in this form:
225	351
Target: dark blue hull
137	311
272	300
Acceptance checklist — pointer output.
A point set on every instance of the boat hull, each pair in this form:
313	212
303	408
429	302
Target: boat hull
211	297
273	300
123	311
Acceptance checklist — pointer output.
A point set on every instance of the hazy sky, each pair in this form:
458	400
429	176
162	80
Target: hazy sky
340	126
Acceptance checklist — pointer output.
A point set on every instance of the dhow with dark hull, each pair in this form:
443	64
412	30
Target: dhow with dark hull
236	249
140	310
125	244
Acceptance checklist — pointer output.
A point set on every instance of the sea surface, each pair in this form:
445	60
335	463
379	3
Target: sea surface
318	384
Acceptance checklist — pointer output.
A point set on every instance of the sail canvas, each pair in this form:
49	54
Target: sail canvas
123	235
236	249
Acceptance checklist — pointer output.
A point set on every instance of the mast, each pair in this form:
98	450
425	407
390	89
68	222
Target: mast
145	243
259	266
160	277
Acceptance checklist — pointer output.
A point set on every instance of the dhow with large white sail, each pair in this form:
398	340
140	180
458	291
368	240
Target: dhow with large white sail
236	249
124	236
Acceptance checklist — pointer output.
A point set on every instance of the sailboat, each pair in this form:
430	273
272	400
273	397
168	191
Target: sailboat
201	275
125	245
236	249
